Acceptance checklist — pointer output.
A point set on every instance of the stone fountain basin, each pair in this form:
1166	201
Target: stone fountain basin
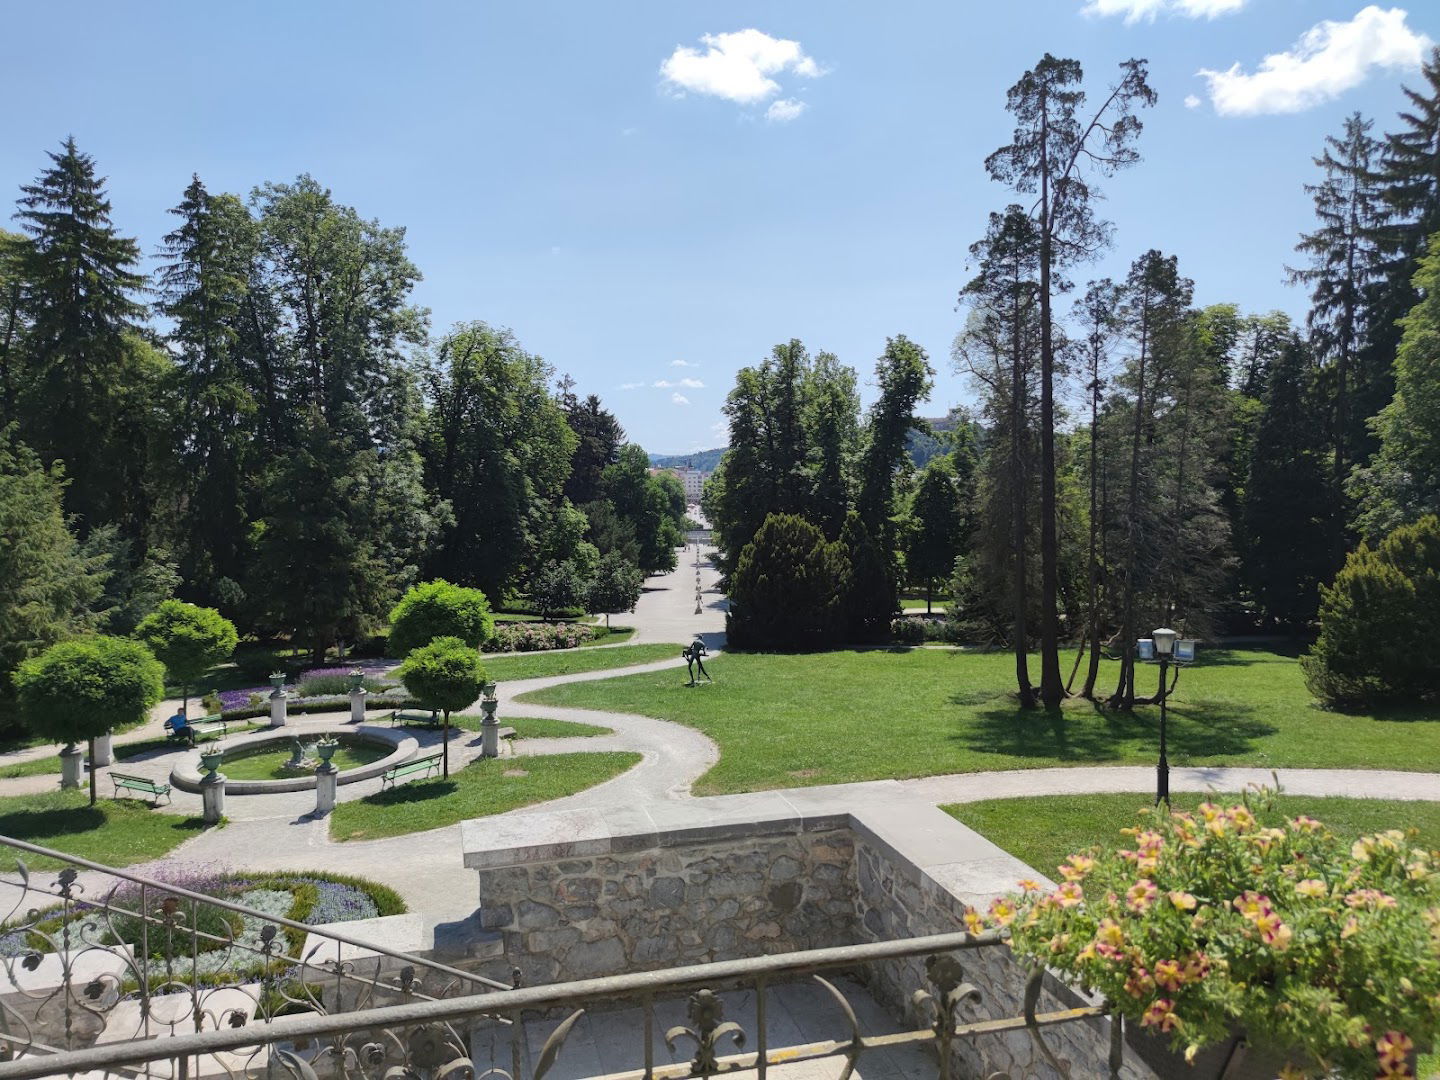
187	771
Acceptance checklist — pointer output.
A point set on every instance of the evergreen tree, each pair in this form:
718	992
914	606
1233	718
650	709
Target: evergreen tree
1402	481
1286	498
787	589
85	378
867	600
203	289
1345	265
1099	317
1055	154
52	585
998	349
599	437
13	326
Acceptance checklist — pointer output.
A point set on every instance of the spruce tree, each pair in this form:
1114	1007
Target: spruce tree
1285	511
1345	265
935	535
203	289
904	376
82	376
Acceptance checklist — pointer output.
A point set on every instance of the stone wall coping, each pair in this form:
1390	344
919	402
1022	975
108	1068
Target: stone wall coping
916	837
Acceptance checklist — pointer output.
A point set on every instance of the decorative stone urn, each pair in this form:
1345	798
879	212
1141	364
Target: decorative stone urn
326	748
212	784
357	680
279	704
277	683
210	759
489	726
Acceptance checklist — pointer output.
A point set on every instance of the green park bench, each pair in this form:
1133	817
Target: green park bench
207	725
414	716
428	764
139	783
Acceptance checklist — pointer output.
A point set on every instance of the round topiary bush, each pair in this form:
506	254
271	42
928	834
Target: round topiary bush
438	609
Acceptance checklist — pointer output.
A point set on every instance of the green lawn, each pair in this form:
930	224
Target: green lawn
1043	829
825	718
534	727
270	765
50	763
487	786
116	832
512	667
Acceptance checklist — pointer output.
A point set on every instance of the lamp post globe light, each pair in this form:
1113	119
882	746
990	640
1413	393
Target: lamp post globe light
1161	646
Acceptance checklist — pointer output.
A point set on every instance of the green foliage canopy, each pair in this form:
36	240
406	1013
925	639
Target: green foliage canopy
438	609
445	674
84	687
187	639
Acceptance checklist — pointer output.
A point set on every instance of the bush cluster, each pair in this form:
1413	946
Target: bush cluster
915	630
1379	623
538	636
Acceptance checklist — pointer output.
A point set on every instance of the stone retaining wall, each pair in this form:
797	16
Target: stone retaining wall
584	918
897	899
575	896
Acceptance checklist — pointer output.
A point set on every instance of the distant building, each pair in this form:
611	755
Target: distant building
692	479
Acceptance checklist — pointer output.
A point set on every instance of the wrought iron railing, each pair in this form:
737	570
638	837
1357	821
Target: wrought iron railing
351	1021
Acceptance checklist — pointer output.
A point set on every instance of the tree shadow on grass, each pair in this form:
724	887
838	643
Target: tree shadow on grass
416	792
1088	733
73	820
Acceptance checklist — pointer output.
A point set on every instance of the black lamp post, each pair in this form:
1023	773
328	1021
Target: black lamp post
1164	639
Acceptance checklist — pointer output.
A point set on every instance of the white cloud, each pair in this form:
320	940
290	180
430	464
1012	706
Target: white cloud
631	385
689	384
738	66
679	399
1136	10
682	363
1330	58
1191	101
783	110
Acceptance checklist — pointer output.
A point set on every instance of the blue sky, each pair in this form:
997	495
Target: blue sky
622	221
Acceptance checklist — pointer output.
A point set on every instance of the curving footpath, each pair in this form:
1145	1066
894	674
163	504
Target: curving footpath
279	832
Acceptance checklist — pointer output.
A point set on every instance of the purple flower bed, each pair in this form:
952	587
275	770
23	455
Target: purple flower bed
233	699
370	667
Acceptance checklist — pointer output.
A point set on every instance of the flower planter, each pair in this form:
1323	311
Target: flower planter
326	750
210	760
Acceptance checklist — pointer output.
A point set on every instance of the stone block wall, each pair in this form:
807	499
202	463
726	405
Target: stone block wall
707	900
897	899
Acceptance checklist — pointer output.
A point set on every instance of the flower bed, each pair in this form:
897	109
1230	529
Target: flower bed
1235	919
537	637
310	898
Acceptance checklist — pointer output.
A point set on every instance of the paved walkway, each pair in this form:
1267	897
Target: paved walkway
279	832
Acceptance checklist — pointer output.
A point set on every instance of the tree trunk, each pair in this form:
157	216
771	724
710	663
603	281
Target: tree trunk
929	593
445	748
92	770
1124	696
1019	494
1092	632
1052	689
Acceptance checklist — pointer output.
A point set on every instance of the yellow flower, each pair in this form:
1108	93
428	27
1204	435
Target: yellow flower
1076	867
1304	823
1161	1015
974	922
1350	929
1311	887
1028	885
1240	817
1169	975
1362	849
1393	1049
1273	931
1109	933
1140	896
1002	911
1183	901
1069	895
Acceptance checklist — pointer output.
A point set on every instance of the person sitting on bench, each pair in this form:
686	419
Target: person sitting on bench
178	727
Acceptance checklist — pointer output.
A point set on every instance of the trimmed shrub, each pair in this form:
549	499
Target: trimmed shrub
189	640
908	631
787	588
1379	622
438	609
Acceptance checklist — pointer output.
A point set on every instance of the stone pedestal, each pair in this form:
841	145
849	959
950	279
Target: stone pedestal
327	784
104	752
489	729
72	763
212	796
278	708
357	706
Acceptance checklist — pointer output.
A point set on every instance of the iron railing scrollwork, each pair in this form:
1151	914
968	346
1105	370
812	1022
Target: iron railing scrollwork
77	1000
